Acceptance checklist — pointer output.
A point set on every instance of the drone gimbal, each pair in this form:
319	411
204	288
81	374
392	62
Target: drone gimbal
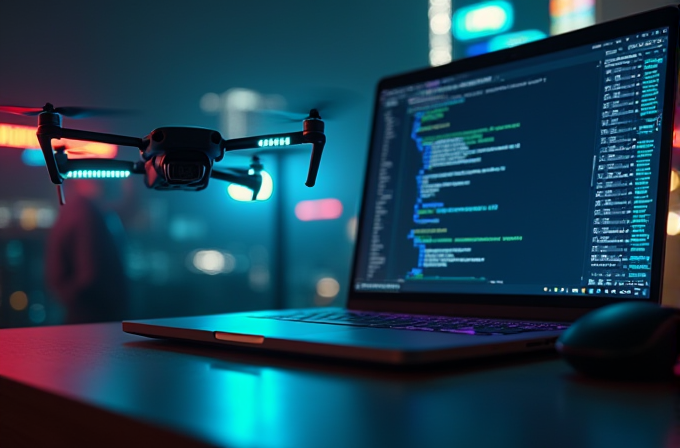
172	158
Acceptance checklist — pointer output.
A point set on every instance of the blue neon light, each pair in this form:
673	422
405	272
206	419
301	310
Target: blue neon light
482	19
32	157
477	49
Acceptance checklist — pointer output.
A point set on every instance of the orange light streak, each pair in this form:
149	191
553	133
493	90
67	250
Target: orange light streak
16	136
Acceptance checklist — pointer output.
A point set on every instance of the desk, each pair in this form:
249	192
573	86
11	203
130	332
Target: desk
93	385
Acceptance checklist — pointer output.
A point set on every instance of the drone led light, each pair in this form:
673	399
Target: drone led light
98	174
276	141
244	194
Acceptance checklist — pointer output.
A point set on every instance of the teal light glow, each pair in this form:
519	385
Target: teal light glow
513	39
276	141
244	194
482	19
32	157
98	174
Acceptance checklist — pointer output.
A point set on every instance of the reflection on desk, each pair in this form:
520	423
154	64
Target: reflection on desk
102	386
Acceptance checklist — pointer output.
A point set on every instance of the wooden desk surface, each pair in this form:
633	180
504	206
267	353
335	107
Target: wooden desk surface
93	385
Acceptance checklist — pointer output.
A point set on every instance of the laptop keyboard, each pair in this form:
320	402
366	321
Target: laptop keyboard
460	325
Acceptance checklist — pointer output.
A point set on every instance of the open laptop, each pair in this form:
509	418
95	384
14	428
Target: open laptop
505	196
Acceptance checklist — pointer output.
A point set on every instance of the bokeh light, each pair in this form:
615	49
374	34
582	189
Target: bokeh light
18	300
439	14
675	180
673	227
28	218
244	194
5	217
352	228
327	287
210	262
210	102
37	313
440	23
259	278
317	210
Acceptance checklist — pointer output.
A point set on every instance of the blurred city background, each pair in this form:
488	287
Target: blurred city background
230	66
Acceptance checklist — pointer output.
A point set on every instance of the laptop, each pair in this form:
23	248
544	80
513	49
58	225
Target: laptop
505	196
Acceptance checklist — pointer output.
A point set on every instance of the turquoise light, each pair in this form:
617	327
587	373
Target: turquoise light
482	19
98	174
32	157
514	39
244	194
276	141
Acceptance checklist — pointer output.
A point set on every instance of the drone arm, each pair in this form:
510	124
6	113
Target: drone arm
240	176
113	139
318	141
45	141
67	166
291	138
48	131
313	134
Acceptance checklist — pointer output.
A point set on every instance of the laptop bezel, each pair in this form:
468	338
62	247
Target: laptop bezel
544	307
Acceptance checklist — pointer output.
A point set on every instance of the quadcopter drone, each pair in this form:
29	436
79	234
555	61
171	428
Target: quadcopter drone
171	158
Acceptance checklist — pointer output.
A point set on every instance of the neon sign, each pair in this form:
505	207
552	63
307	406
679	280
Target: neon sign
320	209
23	137
483	19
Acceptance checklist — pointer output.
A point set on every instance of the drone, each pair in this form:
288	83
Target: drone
171	158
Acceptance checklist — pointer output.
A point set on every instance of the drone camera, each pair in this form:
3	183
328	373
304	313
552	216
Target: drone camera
185	170
180	158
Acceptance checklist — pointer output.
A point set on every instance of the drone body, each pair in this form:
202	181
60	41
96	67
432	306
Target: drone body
171	158
180	157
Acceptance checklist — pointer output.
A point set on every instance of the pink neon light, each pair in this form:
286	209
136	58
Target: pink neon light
676	137
318	210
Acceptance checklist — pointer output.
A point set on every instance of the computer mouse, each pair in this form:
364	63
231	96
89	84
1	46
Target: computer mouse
627	340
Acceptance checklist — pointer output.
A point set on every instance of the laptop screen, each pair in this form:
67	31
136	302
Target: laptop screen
538	176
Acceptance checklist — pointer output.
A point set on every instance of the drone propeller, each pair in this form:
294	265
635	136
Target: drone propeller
73	112
280	150
335	103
